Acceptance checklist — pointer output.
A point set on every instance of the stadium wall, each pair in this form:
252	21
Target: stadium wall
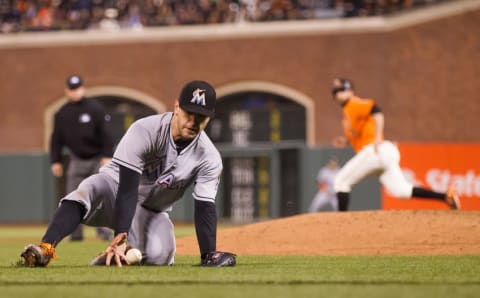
423	71
29	193
422	68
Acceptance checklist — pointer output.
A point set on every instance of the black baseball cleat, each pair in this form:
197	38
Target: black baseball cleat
37	255
452	199
219	259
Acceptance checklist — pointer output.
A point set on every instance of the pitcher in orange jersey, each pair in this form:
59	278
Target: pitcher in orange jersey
363	123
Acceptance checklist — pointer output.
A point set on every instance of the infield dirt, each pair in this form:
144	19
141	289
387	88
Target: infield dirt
352	233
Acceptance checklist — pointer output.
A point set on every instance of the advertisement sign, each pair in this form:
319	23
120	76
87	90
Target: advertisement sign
436	166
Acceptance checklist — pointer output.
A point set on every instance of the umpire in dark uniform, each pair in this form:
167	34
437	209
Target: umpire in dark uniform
82	126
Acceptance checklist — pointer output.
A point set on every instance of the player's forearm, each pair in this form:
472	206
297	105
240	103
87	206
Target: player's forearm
206	226
379	125
125	203
55	149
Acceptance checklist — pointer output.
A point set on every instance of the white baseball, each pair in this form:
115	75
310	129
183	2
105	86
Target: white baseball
134	256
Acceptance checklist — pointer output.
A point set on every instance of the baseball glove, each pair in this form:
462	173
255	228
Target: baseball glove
219	259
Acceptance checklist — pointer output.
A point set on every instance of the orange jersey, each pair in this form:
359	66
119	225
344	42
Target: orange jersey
358	123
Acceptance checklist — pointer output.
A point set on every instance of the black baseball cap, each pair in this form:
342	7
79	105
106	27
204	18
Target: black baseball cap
340	84
198	97
74	82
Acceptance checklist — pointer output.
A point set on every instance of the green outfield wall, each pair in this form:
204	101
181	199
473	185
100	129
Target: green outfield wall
258	183
26	188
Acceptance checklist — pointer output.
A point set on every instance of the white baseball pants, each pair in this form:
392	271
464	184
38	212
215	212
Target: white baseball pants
385	162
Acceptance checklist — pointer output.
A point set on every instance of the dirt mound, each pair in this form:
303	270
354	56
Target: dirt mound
352	233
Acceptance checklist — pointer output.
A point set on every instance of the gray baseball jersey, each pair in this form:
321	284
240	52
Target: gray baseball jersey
148	148
327	176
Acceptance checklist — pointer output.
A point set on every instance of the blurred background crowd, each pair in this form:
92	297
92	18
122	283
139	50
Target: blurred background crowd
47	15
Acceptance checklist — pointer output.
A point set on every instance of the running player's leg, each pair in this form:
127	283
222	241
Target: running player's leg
396	183
398	186
358	167
392	178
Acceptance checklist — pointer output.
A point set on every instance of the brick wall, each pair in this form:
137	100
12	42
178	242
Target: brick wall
426	78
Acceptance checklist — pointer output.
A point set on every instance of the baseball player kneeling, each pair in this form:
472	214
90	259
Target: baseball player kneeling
157	159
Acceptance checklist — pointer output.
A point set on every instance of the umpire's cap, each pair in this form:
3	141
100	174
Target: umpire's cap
198	97
340	84
74	82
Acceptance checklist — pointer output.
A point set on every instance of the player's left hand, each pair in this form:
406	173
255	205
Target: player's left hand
116	250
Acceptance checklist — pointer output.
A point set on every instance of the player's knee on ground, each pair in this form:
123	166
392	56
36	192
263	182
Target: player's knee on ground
165	256
160	244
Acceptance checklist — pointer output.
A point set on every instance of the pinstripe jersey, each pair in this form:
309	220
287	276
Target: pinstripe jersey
148	148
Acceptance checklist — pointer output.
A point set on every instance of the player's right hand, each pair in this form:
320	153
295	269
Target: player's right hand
105	160
57	169
116	250
340	141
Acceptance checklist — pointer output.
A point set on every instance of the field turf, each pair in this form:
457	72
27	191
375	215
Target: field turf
254	276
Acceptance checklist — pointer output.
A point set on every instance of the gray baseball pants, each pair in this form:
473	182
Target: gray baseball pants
151	232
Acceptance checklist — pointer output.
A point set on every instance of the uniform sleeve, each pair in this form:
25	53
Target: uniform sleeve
375	109
204	192
205	217
206	184
364	108
132	147
56	142
126	200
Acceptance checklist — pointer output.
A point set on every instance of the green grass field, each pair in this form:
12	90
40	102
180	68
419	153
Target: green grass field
254	276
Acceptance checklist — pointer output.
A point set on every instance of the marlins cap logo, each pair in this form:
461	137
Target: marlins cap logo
198	97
